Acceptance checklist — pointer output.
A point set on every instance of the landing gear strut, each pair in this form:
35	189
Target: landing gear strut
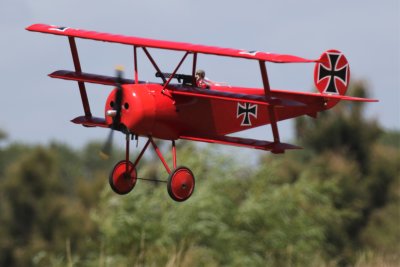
124	175
180	183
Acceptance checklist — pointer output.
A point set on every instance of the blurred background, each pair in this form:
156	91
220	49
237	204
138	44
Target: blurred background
335	203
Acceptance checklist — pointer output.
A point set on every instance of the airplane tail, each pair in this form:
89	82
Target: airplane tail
332	74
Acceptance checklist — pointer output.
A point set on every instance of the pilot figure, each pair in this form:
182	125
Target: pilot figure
201	80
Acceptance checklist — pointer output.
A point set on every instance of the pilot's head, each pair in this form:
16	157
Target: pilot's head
200	74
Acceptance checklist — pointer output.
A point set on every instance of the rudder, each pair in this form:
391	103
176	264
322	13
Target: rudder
332	73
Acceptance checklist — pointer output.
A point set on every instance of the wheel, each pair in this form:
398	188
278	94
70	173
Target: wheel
120	181
180	184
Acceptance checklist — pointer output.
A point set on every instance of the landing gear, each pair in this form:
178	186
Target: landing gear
180	183
123	177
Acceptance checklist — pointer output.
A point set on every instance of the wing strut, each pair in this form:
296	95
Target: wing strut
173	73
194	69
135	65
271	108
154	64
77	65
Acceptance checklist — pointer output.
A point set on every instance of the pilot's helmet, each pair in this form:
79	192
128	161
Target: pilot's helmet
201	73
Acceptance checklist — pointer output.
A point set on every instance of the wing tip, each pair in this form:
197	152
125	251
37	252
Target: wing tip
30	27
39	27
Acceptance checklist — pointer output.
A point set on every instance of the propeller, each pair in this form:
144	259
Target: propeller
116	117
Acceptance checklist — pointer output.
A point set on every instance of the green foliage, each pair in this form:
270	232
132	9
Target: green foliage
391	139
41	206
3	135
343	139
382	229
342	129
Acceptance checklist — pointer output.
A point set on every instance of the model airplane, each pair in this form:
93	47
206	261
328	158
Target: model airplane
186	110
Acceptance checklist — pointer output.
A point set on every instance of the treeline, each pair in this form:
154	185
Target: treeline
335	203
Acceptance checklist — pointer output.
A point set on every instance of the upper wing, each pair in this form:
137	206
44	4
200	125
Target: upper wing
144	42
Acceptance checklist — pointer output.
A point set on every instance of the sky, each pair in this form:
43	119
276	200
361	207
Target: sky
37	109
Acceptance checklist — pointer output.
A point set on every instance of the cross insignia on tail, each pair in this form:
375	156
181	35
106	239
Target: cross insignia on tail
333	73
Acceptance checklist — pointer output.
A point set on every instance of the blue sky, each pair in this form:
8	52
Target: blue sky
37	109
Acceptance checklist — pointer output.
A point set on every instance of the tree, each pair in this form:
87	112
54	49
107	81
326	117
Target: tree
343	129
40	209
340	137
3	135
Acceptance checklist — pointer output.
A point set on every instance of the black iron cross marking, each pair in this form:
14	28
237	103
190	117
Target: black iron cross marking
246	111
60	29
333	73
251	53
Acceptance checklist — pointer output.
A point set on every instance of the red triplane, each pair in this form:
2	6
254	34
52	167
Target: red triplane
183	110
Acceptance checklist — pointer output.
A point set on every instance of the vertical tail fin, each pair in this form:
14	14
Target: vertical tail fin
332	74
332	78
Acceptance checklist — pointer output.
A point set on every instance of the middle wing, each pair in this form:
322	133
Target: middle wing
277	98
235	97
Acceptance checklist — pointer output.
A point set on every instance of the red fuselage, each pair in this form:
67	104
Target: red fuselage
148	111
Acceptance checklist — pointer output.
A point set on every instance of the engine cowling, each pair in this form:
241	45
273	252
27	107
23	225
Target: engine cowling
145	111
137	109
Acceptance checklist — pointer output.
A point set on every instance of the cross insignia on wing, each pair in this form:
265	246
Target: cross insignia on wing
250	53
60	29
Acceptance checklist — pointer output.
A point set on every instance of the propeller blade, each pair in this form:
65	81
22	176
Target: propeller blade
107	147
118	99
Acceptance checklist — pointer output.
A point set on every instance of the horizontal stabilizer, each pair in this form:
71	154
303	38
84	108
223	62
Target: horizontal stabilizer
90	121
244	142
348	98
284	94
87	77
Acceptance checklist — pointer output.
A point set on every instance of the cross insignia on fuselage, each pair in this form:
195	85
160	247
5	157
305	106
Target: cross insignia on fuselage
333	73
246	110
